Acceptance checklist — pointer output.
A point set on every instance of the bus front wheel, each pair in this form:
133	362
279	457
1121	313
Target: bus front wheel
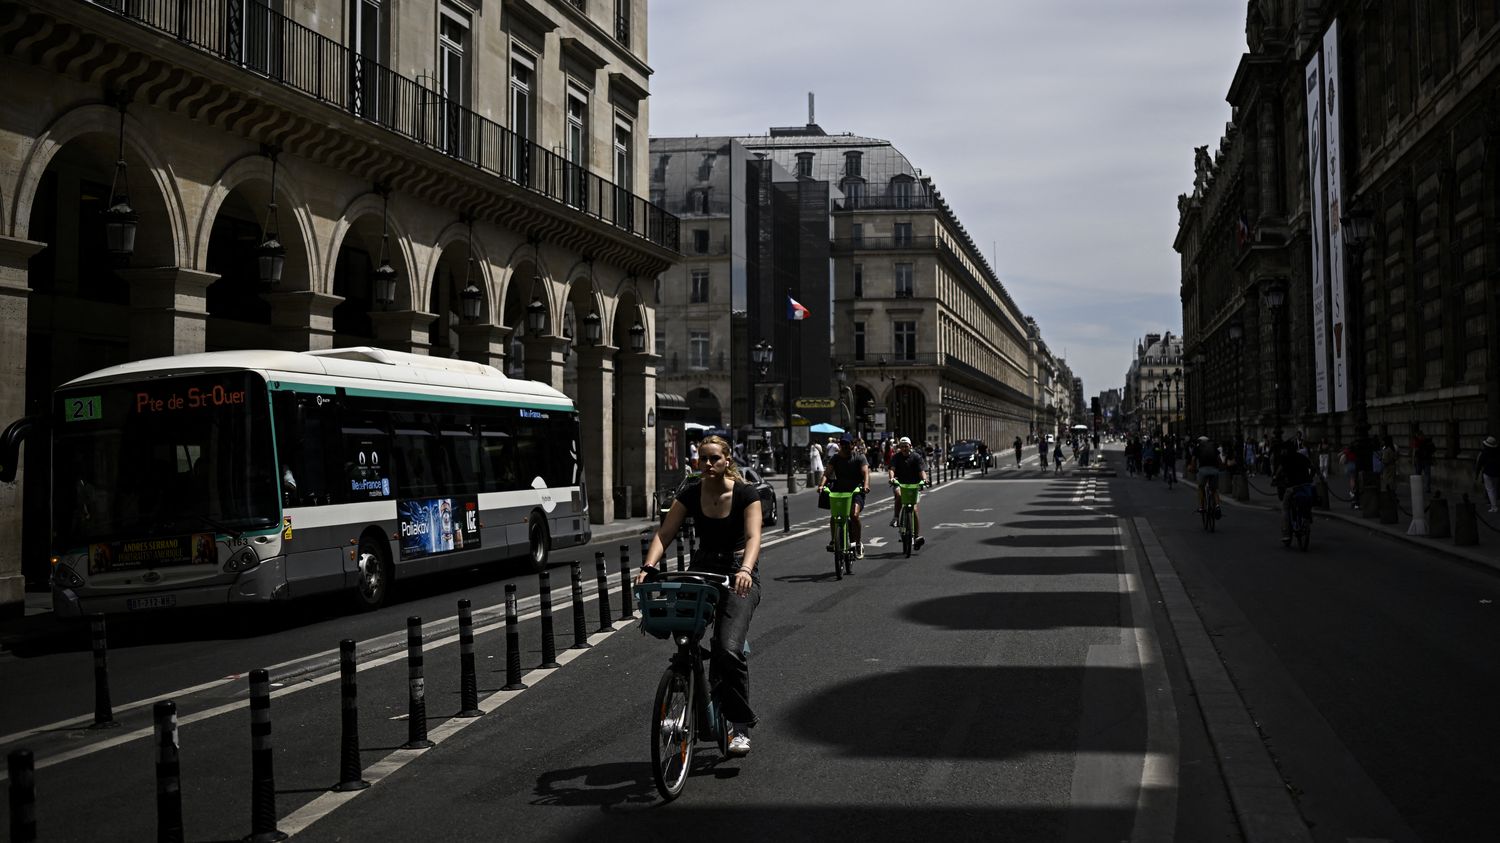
374	581
539	549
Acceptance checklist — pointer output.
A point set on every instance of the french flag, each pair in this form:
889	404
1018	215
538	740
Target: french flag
795	310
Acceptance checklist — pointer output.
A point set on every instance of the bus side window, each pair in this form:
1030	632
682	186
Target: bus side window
300	438
366	453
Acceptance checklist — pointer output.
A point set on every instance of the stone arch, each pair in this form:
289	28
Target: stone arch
447	273
161	238
526	270
705	407
294	220
353	255
907	411
355	219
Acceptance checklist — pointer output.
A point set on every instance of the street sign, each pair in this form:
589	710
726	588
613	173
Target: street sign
814	403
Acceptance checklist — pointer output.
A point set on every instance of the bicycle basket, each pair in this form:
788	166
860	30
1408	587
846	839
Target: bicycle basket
669	608
909	492
840	504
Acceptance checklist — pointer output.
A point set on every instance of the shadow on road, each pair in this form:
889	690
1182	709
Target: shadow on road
996	610
1052	540
1096	562
1072	522
608	785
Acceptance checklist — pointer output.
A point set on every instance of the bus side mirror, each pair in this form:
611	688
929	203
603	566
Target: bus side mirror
10	446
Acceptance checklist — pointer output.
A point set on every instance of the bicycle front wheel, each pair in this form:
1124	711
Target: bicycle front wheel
906	537
840	545
672	734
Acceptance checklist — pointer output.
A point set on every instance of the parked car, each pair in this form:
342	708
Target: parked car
763	490
965	454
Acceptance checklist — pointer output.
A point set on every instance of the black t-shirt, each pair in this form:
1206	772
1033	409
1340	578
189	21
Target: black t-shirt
1295	469
1208	455
908	467
719	536
848	472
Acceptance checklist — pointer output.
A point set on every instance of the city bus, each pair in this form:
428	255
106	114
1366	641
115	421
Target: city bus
260	476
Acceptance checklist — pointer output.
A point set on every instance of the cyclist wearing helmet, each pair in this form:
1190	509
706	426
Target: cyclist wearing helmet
907	466
849	472
1206	456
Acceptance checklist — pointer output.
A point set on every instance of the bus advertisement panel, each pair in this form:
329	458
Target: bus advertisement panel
438	525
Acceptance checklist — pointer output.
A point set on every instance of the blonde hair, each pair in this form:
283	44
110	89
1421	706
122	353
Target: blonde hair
733	470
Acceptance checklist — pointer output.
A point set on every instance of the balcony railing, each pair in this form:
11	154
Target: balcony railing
846	245
248	34
861	197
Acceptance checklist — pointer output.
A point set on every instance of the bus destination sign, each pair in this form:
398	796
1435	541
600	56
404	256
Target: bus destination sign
192	398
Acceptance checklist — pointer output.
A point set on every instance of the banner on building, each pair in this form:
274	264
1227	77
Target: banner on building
1334	162
1319	230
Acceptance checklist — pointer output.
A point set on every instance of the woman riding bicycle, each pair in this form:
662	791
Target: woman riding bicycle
907	467
726	512
1206	458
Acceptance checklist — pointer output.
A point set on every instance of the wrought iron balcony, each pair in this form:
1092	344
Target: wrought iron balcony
861	197
250	35
848	245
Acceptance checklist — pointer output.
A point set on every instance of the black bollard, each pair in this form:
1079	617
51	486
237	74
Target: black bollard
1438	525
349	762
1388	506
1465	523
680	565
262	777
549	639
22	796
168	774
416	700
626	609
646	536
512	642
468	683
580	623
786	518
104	716
603	576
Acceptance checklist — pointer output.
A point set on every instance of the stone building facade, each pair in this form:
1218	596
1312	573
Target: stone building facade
1412	228
491	151
922	327
1153	396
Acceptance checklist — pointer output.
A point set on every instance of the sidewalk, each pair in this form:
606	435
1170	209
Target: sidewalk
1486	553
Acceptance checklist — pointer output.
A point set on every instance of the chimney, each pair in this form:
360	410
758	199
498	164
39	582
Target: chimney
810	117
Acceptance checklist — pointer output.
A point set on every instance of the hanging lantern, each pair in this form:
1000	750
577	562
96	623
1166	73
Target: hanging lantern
637	337
119	218
536	316
472	298
383	279
271	255
593	328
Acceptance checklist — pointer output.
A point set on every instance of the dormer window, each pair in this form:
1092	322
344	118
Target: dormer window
852	165
804	165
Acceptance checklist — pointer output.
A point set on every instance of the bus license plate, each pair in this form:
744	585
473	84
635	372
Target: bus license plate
161	601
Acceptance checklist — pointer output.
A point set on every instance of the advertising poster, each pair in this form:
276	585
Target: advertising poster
670	449
438	525
1333	161
1319	231
196	549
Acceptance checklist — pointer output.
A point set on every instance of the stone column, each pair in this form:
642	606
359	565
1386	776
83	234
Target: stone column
483	344
302	320
402	330
544	360
168	310
596	420
14	293
635	395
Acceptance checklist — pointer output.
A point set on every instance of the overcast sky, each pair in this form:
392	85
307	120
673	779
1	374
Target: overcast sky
1060	131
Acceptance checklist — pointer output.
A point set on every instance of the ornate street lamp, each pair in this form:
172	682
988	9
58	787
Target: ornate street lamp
270	255
536	312
472	298
119	218
762	355
1275	298
638	337
1237	338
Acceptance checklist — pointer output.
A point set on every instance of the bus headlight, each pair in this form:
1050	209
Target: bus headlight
63	576
243	560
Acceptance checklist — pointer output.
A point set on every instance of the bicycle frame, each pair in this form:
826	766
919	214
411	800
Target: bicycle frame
841	507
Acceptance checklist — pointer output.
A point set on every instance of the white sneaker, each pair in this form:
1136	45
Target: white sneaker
739	744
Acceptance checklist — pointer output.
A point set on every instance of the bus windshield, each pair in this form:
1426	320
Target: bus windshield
168	456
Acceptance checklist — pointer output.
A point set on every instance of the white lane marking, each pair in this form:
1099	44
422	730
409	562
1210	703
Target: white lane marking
966	525
320	807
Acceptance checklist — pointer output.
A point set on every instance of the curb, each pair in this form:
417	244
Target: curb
1263	805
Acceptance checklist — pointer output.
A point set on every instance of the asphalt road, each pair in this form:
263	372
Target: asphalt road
1016	679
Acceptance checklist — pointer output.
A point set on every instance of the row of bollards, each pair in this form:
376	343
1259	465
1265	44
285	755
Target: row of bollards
263	818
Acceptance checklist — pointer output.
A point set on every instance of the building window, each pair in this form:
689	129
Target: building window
700	241
624	153
903	234
901	192
859	280
854	193
453	76
857	234
576	146
622	22
371	48
906	341
698	349
700	287
522	78
661	342
859	341
852	165
804	165
903	281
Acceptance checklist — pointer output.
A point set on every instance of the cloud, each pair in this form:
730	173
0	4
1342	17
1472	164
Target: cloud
1061	132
